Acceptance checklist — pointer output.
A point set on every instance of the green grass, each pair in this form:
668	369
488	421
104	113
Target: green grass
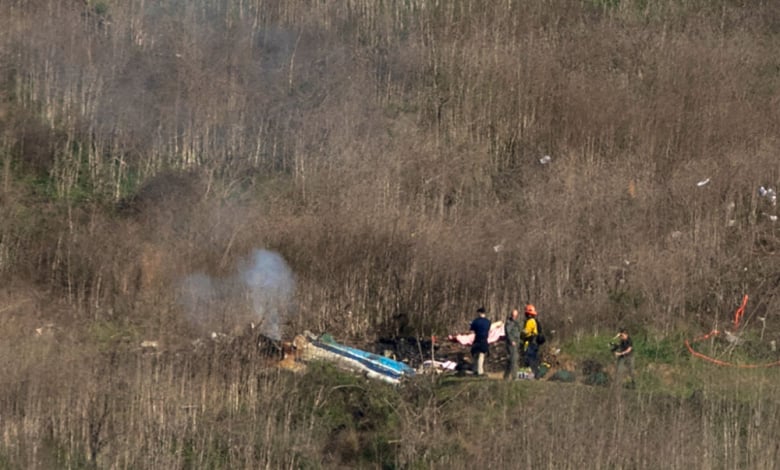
594	346
108	334
664	365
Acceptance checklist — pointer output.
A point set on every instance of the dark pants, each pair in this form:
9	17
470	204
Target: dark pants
513	354
625	365
478	352
531	358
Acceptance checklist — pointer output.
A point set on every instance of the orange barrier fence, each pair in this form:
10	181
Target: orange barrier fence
737	318
740	311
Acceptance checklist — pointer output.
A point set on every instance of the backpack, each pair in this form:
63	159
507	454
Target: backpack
540	339
562	376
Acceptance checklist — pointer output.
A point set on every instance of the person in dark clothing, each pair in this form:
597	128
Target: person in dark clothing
479	348
513	340
624	352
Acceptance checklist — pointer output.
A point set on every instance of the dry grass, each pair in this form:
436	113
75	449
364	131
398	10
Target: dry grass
384	150
220	409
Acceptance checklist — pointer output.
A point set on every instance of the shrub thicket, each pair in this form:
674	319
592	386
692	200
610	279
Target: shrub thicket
389	152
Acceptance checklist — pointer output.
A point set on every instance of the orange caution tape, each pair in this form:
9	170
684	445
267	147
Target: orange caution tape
737	318
740	311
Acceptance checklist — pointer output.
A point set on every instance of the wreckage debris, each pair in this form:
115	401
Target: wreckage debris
395	358
407	349
439	365
374	366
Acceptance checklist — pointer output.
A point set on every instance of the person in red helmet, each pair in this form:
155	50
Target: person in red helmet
528	335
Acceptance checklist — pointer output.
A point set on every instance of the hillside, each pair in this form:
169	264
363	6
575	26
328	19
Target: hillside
173	172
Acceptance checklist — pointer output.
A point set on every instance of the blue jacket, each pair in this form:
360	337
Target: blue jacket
481	328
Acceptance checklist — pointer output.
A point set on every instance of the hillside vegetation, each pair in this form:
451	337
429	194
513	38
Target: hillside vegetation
174	170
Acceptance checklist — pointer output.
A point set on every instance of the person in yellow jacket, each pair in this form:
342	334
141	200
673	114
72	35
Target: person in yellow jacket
528	335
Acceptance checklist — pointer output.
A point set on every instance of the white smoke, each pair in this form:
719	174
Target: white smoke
264	285
271	287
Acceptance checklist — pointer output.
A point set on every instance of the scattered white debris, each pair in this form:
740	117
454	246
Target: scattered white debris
730	219
498	248
441	365
46	330
545	160
147	344
773	218
768	193
703	182
216	336
676	234
732	338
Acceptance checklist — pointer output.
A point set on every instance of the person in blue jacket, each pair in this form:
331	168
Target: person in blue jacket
480	348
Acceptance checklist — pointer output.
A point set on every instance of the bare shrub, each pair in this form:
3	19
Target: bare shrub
391	155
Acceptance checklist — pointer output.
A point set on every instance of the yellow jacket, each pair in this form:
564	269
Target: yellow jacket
530	330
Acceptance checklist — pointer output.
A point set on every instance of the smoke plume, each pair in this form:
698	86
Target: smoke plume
271	286
261	290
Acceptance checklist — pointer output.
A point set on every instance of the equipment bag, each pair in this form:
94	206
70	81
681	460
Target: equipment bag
540	339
